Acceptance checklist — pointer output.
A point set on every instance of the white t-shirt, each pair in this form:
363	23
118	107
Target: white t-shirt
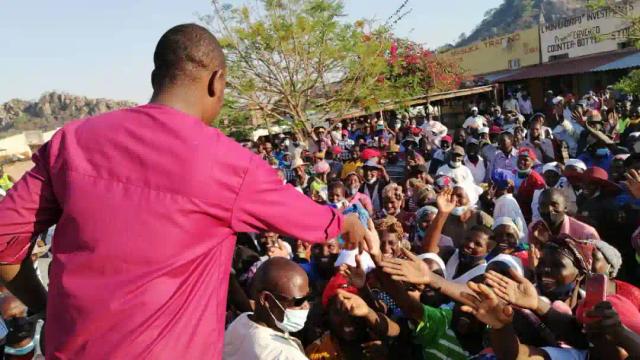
474	122
246	340
479	170
461	174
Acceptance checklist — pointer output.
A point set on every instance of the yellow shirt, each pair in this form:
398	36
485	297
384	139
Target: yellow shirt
5	183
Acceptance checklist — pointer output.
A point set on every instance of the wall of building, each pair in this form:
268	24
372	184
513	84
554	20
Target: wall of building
590	33
14	145
510	51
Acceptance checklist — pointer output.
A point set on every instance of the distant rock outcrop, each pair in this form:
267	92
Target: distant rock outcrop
52	110
513	15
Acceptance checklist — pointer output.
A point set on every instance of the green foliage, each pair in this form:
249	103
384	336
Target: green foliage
292	58
629	84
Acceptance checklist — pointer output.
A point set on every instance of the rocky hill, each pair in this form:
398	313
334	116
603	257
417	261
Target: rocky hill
52	110
514	15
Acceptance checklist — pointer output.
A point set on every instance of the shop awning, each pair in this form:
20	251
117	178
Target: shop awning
495	76
570	66
627	62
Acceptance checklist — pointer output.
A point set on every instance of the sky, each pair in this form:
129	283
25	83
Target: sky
105	48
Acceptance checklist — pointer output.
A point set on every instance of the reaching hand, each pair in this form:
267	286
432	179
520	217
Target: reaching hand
412	270
372	241
519	291
446	201
278	250
607	324
352	304
486	306
353	233
355	274
633	182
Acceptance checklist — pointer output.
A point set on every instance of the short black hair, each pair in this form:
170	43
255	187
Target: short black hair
183	51
481	229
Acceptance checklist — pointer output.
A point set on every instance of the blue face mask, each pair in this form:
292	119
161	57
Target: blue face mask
20	351
561	292
602	152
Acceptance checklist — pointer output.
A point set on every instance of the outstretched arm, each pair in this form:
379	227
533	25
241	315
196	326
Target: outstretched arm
446	202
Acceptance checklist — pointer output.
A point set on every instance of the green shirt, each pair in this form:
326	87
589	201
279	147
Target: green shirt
437	339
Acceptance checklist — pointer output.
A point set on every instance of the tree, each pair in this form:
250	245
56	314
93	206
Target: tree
295	59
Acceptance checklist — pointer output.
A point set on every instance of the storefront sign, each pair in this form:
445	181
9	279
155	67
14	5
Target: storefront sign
499	53
592	32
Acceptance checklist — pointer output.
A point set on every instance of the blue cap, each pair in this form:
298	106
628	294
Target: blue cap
502	178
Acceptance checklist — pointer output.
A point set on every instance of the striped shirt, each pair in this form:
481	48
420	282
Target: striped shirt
438	341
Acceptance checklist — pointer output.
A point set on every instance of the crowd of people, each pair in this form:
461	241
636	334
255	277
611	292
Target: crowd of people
515	235
483	238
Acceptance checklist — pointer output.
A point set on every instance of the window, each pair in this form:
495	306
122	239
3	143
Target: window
514	63
558	57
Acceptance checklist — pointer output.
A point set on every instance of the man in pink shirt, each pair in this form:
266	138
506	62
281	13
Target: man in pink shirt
147	202
552	207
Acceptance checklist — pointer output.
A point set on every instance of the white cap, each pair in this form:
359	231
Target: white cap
576	163
506	221
434	257
475	108
483	130
552	166
557	100
512	261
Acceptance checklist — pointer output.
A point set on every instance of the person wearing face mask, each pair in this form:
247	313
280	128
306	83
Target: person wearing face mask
374	182
424	218
598	154
552	174
474	162
393	205
555	222
526	181
20	340
596	203
464	215
455	167
506	237
505	204
353	183
506	155
280	289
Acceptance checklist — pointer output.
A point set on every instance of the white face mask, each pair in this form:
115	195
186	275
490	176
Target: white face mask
372	180
455	164
293	320
459	210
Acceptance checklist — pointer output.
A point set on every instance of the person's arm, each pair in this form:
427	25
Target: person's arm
29	209
446	203
264	203
378	322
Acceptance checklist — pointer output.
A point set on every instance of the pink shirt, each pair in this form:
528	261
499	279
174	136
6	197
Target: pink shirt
574	228
147	202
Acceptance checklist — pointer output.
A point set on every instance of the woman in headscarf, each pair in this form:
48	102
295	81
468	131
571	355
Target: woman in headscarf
393	205
424	218
464	216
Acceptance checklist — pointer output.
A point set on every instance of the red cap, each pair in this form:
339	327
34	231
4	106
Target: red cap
416	131
337	282
495	130
527	152
369	153
336	150
447	138
345	132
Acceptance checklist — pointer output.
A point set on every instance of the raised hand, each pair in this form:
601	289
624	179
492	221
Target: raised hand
633	182
278	250
372	241
355	274
446	201
519	291
486	306
411	270
352	304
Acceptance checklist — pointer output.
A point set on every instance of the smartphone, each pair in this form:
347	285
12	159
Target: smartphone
596	293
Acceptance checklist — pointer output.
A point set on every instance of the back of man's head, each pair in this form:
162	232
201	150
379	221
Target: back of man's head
183	53
278	275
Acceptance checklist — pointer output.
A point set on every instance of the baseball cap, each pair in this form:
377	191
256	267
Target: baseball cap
552	166
502	178
483	130
447	138
527	152
458	150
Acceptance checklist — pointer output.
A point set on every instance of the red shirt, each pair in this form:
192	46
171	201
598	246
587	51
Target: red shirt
533	182
147	202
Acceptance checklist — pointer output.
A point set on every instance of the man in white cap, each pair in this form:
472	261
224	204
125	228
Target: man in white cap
301	180
455	168
474	121
552	174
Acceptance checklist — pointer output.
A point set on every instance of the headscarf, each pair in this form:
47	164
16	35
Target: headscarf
511	261
337	282
580	252
612	255
434	257
506	221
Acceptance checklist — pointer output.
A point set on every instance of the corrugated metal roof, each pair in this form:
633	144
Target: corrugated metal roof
570	66
494	76
626	62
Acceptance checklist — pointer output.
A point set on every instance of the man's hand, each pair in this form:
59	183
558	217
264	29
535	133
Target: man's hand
355	274
352	304
607	322
278	250
353	233
633	182
372	242
519	291
486	306
446	201
412	270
